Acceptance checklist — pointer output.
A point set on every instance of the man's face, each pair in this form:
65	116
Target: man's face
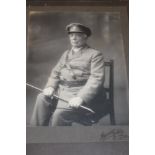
77	39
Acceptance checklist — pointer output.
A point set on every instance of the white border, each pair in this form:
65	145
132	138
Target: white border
142	77
12	78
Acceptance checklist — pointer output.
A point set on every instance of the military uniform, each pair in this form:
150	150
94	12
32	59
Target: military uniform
76	74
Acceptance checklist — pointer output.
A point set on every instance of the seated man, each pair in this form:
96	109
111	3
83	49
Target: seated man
77	78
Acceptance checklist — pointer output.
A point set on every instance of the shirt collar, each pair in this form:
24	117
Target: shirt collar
80	49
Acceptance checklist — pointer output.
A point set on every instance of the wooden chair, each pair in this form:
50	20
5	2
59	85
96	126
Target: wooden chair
104	105
110	90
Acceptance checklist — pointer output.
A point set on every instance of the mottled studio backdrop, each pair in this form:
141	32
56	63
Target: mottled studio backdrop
47	40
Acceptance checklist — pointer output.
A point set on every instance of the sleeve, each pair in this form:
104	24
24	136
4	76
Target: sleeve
96	78
54	77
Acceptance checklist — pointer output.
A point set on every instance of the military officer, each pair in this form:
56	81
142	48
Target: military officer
77	78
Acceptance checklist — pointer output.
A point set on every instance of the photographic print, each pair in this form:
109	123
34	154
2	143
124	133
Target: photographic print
77	74
48	40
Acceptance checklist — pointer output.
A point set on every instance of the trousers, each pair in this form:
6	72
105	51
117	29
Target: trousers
45	113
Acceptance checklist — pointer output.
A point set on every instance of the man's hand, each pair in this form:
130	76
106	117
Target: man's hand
48	91
75	102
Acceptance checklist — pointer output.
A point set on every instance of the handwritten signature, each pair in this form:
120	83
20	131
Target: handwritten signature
115	135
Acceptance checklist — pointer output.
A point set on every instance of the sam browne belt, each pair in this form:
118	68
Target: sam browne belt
72	83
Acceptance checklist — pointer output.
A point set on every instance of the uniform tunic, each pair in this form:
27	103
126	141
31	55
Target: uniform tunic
79	74
83	70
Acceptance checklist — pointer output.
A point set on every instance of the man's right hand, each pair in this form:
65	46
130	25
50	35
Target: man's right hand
48	91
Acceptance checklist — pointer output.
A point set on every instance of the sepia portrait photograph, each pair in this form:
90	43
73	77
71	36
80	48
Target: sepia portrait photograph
77	80
76	69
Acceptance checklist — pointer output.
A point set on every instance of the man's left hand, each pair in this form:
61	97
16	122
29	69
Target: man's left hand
75	102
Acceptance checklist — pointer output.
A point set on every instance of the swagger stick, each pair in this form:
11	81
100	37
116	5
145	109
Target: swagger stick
57	97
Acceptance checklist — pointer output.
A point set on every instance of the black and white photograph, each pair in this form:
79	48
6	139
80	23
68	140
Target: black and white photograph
76	69
66	84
